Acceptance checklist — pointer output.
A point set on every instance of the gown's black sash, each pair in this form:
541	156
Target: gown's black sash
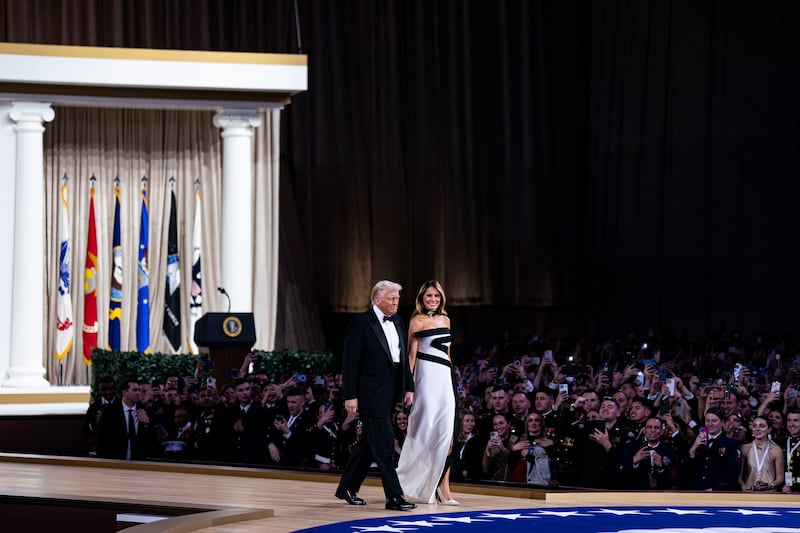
434	359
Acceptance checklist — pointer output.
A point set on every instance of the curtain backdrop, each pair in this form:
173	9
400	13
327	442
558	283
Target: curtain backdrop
608	164
159	144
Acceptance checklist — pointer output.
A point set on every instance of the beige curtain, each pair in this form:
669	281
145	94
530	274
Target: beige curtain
159	144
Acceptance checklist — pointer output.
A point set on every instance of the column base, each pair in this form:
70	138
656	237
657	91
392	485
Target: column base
26	377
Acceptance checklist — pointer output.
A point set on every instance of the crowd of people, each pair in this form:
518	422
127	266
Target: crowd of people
638	412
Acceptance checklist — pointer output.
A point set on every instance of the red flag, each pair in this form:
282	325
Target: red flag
90	288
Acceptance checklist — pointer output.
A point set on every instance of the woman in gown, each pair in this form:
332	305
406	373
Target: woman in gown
423	470
762	460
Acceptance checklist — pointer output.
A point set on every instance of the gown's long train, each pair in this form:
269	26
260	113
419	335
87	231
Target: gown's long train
432	419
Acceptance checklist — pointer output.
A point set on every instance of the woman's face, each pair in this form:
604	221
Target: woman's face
713	423
468	423
760	428
534	424
775	419
401	421
431	299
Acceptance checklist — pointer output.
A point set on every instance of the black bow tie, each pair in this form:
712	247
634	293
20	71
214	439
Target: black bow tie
387	318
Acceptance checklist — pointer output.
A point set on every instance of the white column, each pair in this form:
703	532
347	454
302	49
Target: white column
27	300
238	126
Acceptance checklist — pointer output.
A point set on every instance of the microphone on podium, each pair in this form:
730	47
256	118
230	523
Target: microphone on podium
223	291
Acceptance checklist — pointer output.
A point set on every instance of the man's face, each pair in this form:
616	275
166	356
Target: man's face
729	406
622	400
207	398
638	412
653	430
793	424
131	396
173	397
609	410
243	391
592	402
542	402
500	401
272	395
107	391
520	403
295	404
145	391
388	302
181	417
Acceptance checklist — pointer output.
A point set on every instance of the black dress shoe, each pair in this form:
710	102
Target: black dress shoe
350	497
398	503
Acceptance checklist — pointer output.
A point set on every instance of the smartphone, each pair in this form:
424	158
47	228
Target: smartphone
517	362
703	431
776	387
598	424
671	386
737	370
640	377
493	435
300	378
663	408
211	383
563	387
548	356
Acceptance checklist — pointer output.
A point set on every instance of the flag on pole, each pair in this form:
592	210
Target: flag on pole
196	292
64	324
90	286
115	300
143	282
172	299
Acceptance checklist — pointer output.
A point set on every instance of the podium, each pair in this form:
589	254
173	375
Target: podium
228	337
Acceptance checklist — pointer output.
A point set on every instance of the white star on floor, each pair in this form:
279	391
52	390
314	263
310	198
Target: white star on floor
505	516
620	512
681	511
384	527
461	519
562	514
416	523
747	512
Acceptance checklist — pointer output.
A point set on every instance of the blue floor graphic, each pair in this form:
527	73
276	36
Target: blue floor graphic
609	519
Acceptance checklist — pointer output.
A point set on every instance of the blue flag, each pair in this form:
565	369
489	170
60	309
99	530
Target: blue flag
143	283
115	301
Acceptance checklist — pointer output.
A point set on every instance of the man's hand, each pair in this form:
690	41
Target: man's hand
351	406
409	399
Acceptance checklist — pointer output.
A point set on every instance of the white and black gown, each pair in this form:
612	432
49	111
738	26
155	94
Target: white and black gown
431	423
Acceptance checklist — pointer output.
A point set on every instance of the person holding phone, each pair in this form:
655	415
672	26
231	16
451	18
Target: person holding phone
424	464
494	462
714	457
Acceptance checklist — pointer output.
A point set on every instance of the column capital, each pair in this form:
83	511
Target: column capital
31	114
237	121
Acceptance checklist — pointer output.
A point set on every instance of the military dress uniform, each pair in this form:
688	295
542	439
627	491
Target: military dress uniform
792	451
716	465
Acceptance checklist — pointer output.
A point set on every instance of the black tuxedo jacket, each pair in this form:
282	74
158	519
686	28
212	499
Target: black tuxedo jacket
368	372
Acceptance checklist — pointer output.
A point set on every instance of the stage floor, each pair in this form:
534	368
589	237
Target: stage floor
255	500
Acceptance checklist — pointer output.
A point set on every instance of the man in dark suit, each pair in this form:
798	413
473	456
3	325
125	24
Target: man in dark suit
375	375
290	437
123	429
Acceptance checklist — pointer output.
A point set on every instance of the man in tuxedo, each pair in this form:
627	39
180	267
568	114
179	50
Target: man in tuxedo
290	436
123	429
375	375
652	465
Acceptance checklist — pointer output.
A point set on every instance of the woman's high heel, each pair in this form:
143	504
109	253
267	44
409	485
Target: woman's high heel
440	498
